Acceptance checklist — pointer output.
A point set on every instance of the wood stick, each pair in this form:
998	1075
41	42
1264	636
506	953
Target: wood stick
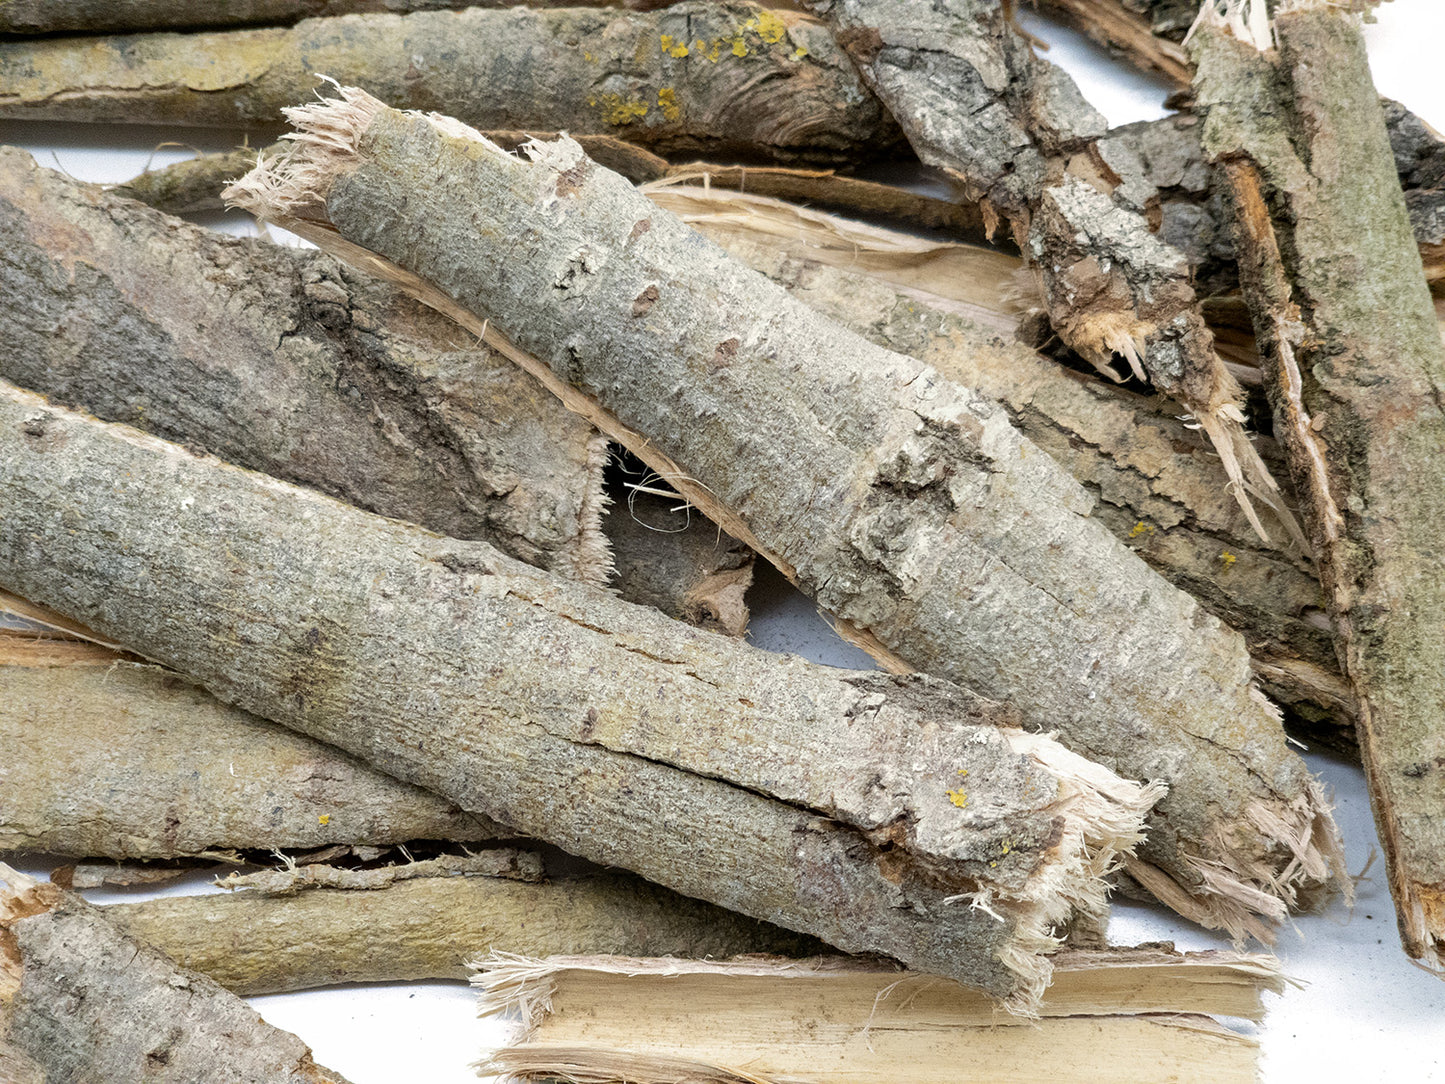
84	1001
730	79
1150	38
943	537
112	16
431	927
127	760
831	802
286	362
1354	361
976	102
607	1018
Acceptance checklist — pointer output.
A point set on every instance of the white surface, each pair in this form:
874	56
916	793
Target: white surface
1366	1013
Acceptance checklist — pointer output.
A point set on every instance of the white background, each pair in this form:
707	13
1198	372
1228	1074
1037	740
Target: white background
1364	1013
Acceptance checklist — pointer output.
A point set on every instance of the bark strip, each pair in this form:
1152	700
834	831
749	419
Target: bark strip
731	79
430	927
977	102
1354	369
87	1002
106	757
907	505
853	806
608	1018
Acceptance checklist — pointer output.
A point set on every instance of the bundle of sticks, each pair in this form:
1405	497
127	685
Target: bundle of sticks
311	551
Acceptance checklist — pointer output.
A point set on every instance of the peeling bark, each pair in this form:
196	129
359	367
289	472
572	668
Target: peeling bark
286	362
726	78
1147	33
831	802
87	1002
111	16
126	760
1354	369
907	505
430	927
501	862
975	101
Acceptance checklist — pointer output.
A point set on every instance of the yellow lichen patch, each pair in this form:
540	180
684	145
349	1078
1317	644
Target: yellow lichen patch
672	47
324	819
667	102
1228	558
713	51
767	25
740	47
957	797
619	111
588	57
1141	528
799	53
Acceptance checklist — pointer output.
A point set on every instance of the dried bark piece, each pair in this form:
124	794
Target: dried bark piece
601	1018
430	927
116	875
975	101
1147	33
832	802
102	16
908	506
501	862
87	1002
678	562
725	78
127	760
1157	484
1354	367
286	362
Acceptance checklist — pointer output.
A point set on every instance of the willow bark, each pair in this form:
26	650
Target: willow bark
1355	372
850	806
907	505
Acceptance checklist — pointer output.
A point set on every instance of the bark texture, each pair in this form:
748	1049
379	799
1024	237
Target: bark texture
1355	369
729	78
287	362
907	505
977	102
853	806
431	927
1158	486
127	760
102	16
87	1002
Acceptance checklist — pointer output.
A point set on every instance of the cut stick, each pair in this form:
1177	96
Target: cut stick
1111	1016
867	810
430	927
1354	367
1159	486
731	79
83	1001
1147	33
122	759
286	362
907	505
671	557
976	102
110	16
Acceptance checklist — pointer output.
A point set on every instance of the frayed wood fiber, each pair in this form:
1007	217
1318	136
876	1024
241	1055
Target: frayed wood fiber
894	815
906	504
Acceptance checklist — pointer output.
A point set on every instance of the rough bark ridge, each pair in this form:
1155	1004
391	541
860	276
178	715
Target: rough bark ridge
1355	373
850	806
430	927
905	504
87	1002
126	760
733	79
98	16
976	102
1157	484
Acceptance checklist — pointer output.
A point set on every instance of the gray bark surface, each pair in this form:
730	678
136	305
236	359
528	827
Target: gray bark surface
126	760
728	78
1157	484
1355	369
977	102
287	362
87	1002
907	505
428	928
99	16
847	805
